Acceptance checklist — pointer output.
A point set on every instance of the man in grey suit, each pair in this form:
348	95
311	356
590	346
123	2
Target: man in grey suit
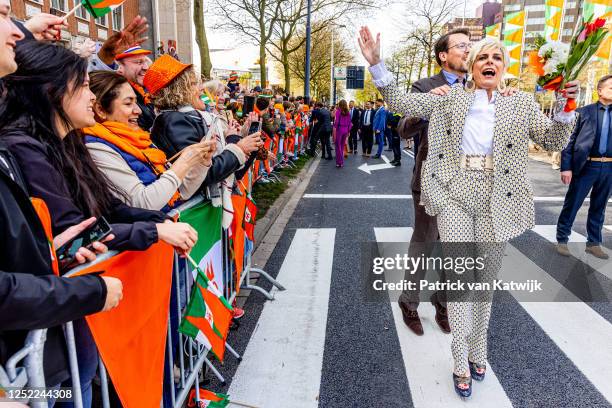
451	52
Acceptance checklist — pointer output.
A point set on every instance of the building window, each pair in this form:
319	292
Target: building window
568	19
118	18
512	7
59	5
535	7
570	5
535	21
82	13
567	31
102	21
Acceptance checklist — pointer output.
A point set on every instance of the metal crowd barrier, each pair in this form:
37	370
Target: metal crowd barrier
31	374
191	356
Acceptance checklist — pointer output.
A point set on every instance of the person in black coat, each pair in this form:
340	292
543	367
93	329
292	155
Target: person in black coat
31	296
366	129
322	131
356	121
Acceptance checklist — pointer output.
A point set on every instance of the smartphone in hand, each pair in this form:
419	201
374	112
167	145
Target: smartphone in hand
66	254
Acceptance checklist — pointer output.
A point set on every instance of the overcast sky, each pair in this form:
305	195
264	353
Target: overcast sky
387	21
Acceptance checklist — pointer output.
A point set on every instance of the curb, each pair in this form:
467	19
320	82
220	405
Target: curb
263	226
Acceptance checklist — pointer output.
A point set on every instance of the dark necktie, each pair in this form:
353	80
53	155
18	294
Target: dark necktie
605	130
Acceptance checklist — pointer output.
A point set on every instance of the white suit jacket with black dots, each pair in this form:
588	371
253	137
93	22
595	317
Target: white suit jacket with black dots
517	119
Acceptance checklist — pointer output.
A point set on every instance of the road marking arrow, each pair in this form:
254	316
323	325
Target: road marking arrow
368	169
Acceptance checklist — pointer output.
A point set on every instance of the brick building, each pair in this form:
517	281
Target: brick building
170	22
81	24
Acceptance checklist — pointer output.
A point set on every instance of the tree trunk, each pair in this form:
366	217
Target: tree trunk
287	75
262	63
286	70
201	40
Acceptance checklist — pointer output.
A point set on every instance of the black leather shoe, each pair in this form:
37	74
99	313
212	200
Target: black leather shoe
376	156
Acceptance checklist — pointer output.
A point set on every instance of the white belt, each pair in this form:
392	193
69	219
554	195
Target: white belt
481	162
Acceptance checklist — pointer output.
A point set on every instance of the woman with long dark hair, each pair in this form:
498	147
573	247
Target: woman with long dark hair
46	100
342	128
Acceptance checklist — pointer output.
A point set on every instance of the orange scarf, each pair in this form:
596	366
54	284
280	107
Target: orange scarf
135	142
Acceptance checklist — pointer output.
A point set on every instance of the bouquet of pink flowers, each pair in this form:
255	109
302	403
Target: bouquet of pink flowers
557	63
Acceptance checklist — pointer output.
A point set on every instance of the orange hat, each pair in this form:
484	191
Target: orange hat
162	72
306	108
132	52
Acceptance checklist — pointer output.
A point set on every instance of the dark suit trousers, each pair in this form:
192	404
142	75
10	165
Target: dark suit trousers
422	244
353	138
367	139
598	177
325	143
396	146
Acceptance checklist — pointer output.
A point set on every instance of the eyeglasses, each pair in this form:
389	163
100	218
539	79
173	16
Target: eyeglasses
462	46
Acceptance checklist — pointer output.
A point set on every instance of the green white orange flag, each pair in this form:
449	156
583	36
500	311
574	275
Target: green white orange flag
208	316
208	251
98	8
493	31
592	9
208	399
553	10
514	30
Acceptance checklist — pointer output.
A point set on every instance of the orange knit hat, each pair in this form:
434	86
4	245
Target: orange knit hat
162	72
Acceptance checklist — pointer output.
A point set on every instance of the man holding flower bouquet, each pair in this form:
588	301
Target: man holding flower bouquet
586	165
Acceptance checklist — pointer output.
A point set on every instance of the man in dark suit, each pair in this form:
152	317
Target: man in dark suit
451	52
321	131
355	120
586	165
367	131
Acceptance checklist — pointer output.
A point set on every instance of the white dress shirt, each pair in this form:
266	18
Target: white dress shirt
367	120
479	124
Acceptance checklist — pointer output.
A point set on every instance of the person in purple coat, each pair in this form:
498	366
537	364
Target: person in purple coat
342	128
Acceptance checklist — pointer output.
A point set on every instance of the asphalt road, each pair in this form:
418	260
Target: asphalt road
325	343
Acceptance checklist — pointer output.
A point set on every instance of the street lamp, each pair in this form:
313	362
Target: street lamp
307	64
332	95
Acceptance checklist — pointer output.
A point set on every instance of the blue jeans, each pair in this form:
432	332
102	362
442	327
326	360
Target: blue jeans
380	140
87	357
598	177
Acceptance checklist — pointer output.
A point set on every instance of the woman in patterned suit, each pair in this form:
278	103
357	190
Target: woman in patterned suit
475	177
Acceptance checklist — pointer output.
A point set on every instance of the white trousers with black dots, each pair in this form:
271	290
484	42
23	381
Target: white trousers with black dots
467	219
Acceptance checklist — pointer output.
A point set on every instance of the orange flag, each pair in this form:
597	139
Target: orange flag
132	337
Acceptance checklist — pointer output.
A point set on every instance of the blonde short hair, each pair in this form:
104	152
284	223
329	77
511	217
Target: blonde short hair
177	93
484	45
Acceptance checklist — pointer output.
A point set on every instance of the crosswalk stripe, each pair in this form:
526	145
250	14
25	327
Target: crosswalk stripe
608	227
283	361
581	333
427	358
576	248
